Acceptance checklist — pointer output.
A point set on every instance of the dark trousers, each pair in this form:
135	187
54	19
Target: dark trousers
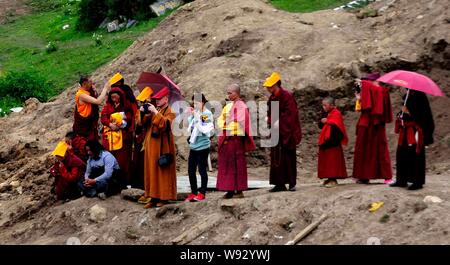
200	159
410	165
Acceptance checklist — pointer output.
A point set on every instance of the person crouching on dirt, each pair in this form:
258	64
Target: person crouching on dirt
331	164
67	171
201	127
103	174
76	144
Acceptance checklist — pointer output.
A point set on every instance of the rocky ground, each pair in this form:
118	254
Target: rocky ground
209	44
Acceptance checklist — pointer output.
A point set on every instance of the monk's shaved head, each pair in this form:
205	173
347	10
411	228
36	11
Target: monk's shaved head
329	100
233	92
236	88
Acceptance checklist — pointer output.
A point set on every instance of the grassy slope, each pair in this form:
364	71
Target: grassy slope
307	5
23	43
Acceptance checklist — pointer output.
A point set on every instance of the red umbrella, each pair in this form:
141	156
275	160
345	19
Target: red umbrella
156	82
412	80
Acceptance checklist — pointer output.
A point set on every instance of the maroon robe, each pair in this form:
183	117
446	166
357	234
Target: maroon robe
371	156
123	155
283	157
331	162
67	174
232	165
87	127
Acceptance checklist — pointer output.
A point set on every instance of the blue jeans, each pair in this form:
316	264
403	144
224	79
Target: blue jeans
92	191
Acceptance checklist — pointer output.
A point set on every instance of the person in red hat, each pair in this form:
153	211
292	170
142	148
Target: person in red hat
159	151
371	156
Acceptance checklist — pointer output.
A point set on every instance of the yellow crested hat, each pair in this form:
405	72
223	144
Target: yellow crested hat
145	94
272	79
60	149
116	118
116	78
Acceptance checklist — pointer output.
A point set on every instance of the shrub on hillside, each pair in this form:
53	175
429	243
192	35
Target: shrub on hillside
24	85
51	47
6	103
91	13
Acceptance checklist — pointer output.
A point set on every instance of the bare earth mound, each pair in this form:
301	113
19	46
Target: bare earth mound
208	44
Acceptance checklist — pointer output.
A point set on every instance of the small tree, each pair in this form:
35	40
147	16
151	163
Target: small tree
91	14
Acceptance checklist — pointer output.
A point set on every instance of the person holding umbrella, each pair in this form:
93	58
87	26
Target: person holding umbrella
414	126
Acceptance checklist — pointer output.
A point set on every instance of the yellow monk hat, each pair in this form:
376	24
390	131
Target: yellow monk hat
60	149
116	118
272	79
145	94
116	78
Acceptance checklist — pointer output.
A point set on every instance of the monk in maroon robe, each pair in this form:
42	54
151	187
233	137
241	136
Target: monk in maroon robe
283	156
371	156
331	164
116	103
131	102
67	172
86	114
235	139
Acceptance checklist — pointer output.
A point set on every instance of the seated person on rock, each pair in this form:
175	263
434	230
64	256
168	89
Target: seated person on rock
103	174
67	171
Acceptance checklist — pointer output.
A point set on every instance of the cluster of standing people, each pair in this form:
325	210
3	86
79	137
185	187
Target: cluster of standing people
137	148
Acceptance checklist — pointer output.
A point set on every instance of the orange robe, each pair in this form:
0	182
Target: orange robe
159	182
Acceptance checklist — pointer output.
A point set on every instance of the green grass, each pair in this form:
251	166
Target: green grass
23	46
304	6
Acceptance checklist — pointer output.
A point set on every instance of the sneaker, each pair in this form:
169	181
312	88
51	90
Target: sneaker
293	188
200	197
191	197
388	181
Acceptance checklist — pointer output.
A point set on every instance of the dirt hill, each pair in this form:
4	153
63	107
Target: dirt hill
205	46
